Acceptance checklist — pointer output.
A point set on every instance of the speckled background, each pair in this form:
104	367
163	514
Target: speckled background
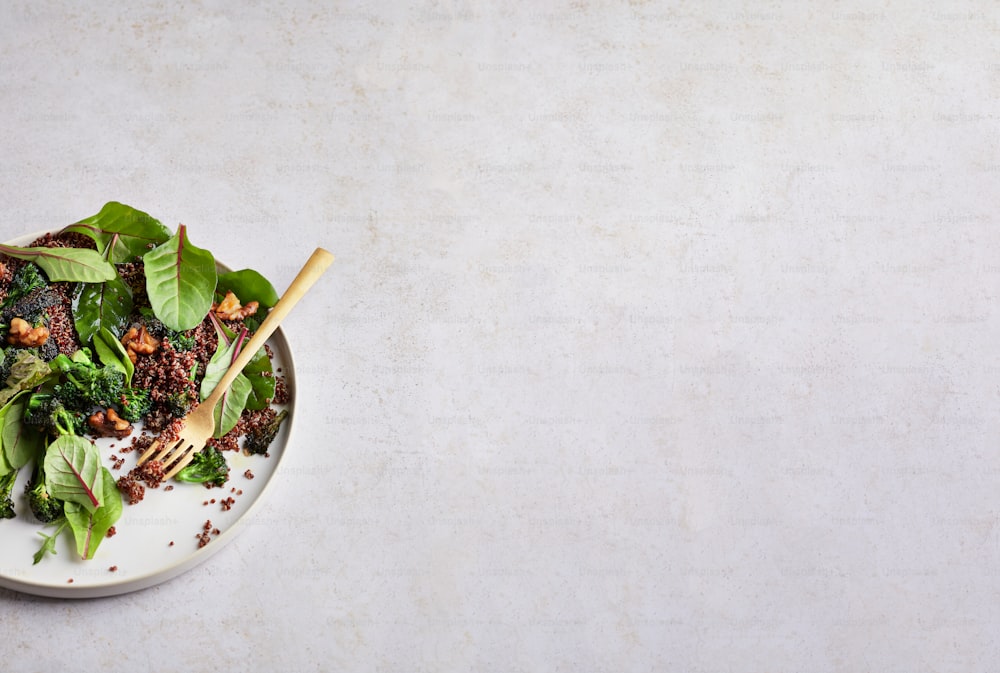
662	336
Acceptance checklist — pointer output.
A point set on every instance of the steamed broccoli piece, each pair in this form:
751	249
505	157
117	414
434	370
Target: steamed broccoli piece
33	308
26	280
9	355
134	403
258	440
43	506
6	502
207	467
179	340
178	404
48	413
87	384
28	296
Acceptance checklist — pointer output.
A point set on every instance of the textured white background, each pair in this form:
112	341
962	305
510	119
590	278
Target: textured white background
661	336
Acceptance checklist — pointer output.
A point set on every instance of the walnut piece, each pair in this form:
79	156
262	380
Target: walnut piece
109	424
230	309
23	334
138	341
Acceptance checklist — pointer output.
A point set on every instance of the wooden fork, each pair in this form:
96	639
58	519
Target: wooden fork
199	425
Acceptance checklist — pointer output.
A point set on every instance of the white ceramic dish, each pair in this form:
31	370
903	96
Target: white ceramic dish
141	552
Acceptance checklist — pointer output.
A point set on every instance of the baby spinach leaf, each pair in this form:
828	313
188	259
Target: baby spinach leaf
70	264
73	471
248	285
98	305
129	232
180	281
90	528
112	353
21	442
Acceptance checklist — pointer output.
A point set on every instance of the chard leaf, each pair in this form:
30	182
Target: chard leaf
231	406
49	544
98	305
28	371
90	528
69	264
234	400
112	353
73	471
130	233
218	364
180	281
260	373
21	442
248	285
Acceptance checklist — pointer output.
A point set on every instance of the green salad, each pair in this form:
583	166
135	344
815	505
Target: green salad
105	324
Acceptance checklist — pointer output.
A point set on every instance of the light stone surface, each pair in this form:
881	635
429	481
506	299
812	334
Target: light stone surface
661	337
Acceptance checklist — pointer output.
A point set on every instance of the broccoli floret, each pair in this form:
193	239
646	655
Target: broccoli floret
26	280
33	307
134	403
28	296
178	404
6	502
43	506
9	355
259	439
179	340
48	413
87	384
71	397
208	466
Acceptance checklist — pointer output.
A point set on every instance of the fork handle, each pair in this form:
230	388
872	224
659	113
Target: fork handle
318	263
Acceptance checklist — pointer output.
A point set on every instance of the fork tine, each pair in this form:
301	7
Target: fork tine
180	459
148	453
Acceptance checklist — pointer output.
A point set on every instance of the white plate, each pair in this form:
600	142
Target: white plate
141	551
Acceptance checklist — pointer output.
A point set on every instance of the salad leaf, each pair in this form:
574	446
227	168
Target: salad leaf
49	544
112	353
102	305
260	372
70	264
73	470
5	467
27	371
180	281
228	411
90	528
127	232
21	442
231	406
248	285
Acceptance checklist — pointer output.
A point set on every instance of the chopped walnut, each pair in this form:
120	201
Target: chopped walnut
138	341
230	309
109	424
23	334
